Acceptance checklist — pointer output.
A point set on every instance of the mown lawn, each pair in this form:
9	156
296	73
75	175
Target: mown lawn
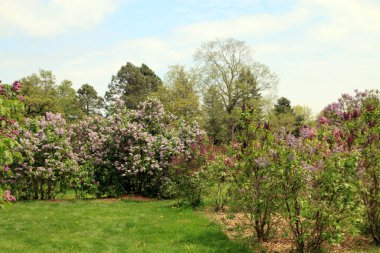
115	226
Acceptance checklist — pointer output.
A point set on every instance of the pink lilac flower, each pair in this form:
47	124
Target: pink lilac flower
8	196
16	86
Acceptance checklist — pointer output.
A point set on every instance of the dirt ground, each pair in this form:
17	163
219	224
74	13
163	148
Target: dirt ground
236	226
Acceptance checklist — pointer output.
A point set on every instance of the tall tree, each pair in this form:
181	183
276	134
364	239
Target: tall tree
216	123
67	102
40	93
227	67
283	106
283	116
133	84
304	112
89	100
179	94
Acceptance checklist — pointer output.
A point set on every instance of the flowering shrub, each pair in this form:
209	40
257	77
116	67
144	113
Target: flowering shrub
317	186
49	162
132	150
10	111
357	122
310	180
87	139
255	188
190	167
6	197
218	174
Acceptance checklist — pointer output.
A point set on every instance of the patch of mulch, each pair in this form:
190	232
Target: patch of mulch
357	243
237	226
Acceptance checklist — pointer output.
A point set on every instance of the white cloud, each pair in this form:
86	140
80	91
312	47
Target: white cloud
345	17
52	17
257	25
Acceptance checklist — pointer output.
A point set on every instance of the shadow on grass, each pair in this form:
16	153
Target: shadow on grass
216	241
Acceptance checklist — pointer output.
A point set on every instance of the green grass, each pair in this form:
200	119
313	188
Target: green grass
97	226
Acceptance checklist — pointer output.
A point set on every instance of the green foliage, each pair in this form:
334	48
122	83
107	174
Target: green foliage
292	119
179	96
49	162
189	169
218	173
255	175
10	111
318	187
42	94
228	72
191	187
358	120
133	84
216	117
89	100
68	103
282	106
305	113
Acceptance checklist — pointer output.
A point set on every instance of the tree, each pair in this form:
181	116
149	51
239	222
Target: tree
227	66
179	95
304	112
283	116
133	84
40	93
282	106
213	108
68	103
89	100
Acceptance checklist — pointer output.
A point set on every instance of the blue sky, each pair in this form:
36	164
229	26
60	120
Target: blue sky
318	48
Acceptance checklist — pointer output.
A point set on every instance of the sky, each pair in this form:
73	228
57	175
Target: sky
318	48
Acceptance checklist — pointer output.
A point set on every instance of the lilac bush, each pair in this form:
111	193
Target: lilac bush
11	108
357	120
87	138
309	180
49	162
317	185
190	168
255	188
131	151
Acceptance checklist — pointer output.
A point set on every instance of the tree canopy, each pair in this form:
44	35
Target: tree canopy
179	94
89	100
133	84
42	94
228	71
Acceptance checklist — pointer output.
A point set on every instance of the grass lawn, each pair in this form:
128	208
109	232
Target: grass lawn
115	226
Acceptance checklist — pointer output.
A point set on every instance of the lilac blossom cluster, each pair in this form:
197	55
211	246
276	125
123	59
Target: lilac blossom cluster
347	107
133	145
10	110
7	196
49	161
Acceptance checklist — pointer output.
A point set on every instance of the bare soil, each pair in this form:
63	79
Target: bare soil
237	226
